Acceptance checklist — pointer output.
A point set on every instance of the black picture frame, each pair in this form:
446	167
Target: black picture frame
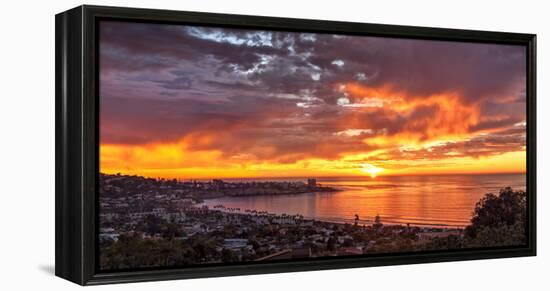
76	177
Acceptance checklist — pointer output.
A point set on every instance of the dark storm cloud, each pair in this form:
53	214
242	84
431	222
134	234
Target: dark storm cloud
167	120
177	83
426	67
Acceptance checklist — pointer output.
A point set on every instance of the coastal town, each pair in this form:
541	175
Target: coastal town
168	217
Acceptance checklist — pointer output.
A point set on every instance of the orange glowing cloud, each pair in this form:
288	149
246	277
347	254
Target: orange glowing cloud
434	136
439	116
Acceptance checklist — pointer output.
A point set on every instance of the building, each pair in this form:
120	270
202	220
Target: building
159	211
235	243
312	182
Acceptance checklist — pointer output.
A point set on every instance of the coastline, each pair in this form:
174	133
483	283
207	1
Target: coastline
269	192
335	220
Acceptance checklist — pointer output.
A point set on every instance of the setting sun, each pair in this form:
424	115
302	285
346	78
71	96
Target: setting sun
371	170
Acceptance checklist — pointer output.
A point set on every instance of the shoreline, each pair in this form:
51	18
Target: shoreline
335	220
223	195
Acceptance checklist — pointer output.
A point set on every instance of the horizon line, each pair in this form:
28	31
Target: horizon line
325	176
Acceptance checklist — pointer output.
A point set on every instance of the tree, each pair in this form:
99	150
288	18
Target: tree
331	244
377	222
255	244
499	220
228	256
347	243
171	230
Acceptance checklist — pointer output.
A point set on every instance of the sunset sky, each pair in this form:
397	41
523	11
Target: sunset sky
194	102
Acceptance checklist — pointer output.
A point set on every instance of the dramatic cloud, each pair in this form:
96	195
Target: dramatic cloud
251	98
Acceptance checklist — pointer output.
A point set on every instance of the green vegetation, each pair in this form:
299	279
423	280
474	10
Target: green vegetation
135	252
499	220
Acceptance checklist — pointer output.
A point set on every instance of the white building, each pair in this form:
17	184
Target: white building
235	243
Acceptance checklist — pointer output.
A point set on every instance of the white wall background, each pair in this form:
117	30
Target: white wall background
27	145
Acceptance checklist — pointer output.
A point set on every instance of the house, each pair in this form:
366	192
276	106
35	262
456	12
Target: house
235	243
139	215
343	238
109	216
108	234
104	237
158	212
175	216
283	220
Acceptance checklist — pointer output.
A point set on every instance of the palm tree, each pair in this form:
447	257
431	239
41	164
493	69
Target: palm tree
356	219
377	222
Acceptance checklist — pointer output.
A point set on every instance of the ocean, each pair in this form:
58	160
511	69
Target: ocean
439	200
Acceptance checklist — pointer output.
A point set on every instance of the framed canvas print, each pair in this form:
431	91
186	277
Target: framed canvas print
198	144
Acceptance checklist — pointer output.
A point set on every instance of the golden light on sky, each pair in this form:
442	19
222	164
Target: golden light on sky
174	161
373	171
